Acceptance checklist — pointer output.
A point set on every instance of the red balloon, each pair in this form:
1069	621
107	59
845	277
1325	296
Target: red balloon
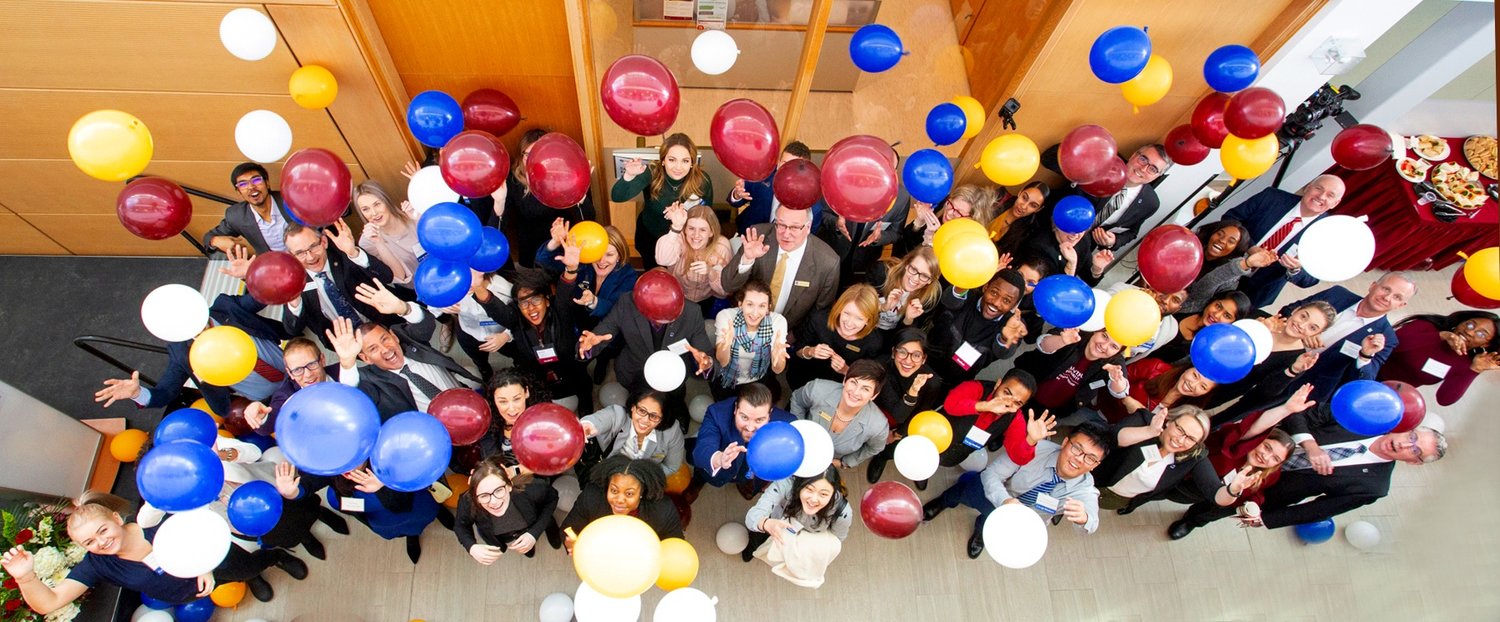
275	278
1085	153
491	111
1108	183
154	208
474	163
1362	147
1465	294
463	412
235	422
1170	258
745	139
466	457
1414	406
1208	120
1184	147
640	94
658	296
547	439
798	184
891	510
859	178
1255	112
557	171
316	186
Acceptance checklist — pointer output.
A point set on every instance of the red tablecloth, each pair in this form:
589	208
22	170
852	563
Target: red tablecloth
1407	237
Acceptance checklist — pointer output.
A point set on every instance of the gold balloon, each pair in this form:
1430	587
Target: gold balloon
1245	158
1132	317
1010	160
313	87
110	145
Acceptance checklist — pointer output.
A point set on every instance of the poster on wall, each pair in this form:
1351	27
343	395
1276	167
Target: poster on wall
712	14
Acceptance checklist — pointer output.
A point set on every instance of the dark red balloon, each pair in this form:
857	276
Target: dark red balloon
1170	258
891	510
1362	147
557	171
491	111
1184	147
745	139
463	412
1413	406
1085	153
1208	120
547	439
859	178
1110	182
316	185
1465	294
658	296
640	94
235	423
1255	112
275	278
474	163
466	457
154	208
798	184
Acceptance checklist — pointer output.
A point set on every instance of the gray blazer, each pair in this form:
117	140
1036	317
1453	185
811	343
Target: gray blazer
664	445
817	279
861	439
239	220
773	502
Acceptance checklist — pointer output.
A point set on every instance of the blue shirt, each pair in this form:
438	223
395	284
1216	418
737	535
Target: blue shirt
137	576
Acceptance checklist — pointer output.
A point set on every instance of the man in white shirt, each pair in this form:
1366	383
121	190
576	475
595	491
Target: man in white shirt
333	274
400	365
803	273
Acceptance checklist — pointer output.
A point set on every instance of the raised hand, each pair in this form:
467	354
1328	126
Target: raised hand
1005	260
1013	331
410	169
918	382
17	563
926	218
1158	419
116	389
725	458
1456	342
376	295
633	167
838	364
409	209
1313	342
589	429
892	300
705	362
1039	428
1372	345
1275	323
739	193
256	414
588	341
1304	361
843	227
1298	402
874	235
1102	259
1116	374
288	483
586	298
494	342
342	237
1103	237
345	343
676	215
1260	257
364	480
914	310
698	268
485	554
1070	336
228	455
239	262
1289	262
754	247
572	253
498	196
1074	512
1485	362
558	233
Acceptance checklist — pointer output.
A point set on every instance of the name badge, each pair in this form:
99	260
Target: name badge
151	562
966	355
546	355
418	251
802	283
1096	384
1152	453
351	504
976	438
825	416
851	347
488	323
1435	368
678	347
1349	349
1048	503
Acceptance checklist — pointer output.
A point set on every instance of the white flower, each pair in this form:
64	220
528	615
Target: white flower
44	531
75	554
64	614
48	561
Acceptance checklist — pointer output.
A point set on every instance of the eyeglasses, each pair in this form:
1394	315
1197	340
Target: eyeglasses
649	416
1474	329
486	497
781	226
904	354
1145	163
253	181
960	212
534	300
305	253
1177	431
1415	448
305	369
921	277
1078	452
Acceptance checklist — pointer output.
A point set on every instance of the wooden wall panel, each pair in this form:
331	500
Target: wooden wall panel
67	194
1001	42
21	238
101	234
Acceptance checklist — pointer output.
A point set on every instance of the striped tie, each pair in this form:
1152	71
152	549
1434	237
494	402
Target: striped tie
1029	497
1274	242
1299	461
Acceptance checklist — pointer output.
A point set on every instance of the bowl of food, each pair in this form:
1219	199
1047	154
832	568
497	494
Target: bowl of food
1430	148
1480	152
1412	169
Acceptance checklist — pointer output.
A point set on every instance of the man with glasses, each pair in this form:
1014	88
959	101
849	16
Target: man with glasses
973	329
1056	482
719	453
333	275
258	221
1118	217
1275	220
803	271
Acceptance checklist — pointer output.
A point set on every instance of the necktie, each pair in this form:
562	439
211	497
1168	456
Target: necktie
1299	461
1274	242
1110	207
777	277
340	303
1029	497
268	371
422	384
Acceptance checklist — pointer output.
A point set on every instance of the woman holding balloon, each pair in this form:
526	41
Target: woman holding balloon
526	218
832	339
808	510
621	485
390	234
643	429
502	513
1461	345
695	253
1287	358
676	179
544	332
751	344
600	283
1230	306
911	386
908	288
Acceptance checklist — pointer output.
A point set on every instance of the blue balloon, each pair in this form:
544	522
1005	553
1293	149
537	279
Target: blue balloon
946	123
450	231
875	48
928	176
1316	533
152	603
775	451
1367	407
1120	54
255	508
1064	301
263	442
434	118
411	452
327	428
1223	353
187	424
1073	214
442	283
180	476
494	250
197	611
1231	68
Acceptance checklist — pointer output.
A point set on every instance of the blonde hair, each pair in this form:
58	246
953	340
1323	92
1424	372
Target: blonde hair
1201	416
374	189
518	169
865	299
693	183
617	240
981	201
93	505
896	269
689	254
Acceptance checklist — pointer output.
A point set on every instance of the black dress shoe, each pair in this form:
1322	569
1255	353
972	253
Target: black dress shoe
747	489
876	469
260	589
976	545
554	535
930	510
445	517
334	521
414	548
1179	530
1125	510
293	566
314	547
747	554
921	484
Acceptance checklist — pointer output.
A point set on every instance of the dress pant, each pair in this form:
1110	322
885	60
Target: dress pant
242	565
969	491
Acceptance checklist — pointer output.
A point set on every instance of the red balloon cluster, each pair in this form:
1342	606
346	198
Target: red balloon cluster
1184	147
275	278
658	296
1170	258
859	178
745	139
316	185
547	439
491	111
1413	406
1255	112
1362	147
557	171
891	510
1109	182
1466	294
154	208
798	184
640	94
464	412
1086	154
474	163
1208	120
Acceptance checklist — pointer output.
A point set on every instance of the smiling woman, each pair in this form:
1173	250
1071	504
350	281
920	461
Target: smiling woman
623	485
506	512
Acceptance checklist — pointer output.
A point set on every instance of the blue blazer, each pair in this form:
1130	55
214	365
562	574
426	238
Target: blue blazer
718	432
1258	214
1333	369
762	196
620	281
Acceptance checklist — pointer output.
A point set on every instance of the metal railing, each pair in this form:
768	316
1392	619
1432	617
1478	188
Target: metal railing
86	343
202	194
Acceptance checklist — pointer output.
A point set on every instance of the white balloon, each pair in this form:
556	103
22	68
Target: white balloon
817	447
732	538
1336	248
714	52
152	615
591	606
427	189
1096	321
263	136
557	607
174	312
665	371
191	543
916	457
1015	536
613	394
1363	535
976	461
248	34
698	407
1259	335
686	604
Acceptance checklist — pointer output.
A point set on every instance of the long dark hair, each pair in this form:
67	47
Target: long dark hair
1207	231
825	517
653	480
505	378
1452	321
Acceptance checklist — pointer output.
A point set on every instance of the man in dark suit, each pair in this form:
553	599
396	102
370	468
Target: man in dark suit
756	199
1118	218
305	367
401	371
719	453
333	275
1275	220
803	272
638	338
258	221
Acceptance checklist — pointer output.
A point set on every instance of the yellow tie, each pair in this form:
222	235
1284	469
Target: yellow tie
777	276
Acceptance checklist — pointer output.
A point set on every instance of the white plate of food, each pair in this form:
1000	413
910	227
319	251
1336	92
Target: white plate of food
1412	169
1429	147
1480	152
1459	185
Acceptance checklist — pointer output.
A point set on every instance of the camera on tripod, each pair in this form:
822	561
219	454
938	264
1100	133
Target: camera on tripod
1326	102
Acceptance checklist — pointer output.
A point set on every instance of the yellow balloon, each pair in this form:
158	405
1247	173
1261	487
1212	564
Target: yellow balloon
222	355
202	404
679	564
970	260
313	87
934	426
954	229
1010	160
1482	271
110	145
678	482
973	115
1132	317
228	594
1151	85
458	484
126	446
618	555
592	240
1246	158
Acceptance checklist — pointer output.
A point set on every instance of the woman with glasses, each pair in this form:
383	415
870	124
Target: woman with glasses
832	339
695	253
805	520
598	285
751	343
1017	213
675	179
1449	350
1155	451
524	217
908	289
642	429
479	333
390	234
503	513
621	485
911	386
544	334
966	201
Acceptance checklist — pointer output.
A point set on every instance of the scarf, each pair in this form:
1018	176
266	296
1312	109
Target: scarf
756	346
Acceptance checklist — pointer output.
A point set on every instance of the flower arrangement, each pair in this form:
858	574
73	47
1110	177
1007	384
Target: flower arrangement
41	531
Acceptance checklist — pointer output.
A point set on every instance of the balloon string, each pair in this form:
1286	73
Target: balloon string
1463	256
